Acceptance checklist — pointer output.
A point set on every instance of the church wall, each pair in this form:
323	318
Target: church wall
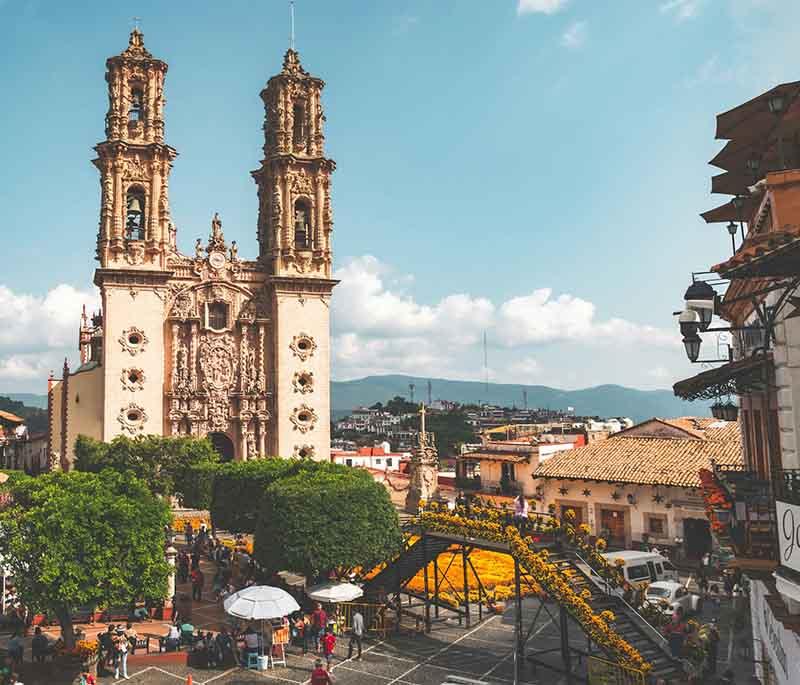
85	411
54	409
297	320
133	408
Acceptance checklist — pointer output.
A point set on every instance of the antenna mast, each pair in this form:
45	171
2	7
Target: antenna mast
486	367
411	387
430	401
291	25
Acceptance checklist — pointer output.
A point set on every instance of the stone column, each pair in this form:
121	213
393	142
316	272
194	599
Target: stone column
262	438
119	200
171	554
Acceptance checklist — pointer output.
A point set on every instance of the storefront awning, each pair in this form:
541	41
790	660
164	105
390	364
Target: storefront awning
769	255
733	378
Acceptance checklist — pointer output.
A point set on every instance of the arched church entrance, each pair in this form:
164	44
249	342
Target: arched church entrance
223	445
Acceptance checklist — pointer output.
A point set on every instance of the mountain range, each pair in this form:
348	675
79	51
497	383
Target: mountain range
602	400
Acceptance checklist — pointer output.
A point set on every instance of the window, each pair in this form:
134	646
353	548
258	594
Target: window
659	569
378	460
656	526
134	217
302	225
638	572
217	316
298	125
348	462
388	462
507	472
136	111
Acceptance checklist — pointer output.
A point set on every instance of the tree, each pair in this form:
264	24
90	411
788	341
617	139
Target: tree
397	406
77	539
238	489
162	463
326	518
451	430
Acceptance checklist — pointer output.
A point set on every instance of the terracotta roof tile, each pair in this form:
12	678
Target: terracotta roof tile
651	460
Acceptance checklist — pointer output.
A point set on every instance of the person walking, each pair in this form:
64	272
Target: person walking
321	676
198	580
356	635
713	646
319	619
328	645
121	647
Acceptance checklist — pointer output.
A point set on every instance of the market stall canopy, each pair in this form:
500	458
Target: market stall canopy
333	593
733	378
260	602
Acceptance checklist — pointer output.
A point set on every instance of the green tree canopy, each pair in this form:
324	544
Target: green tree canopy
326	517
76	539
238	489
162	463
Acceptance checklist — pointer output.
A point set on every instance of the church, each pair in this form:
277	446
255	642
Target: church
208	344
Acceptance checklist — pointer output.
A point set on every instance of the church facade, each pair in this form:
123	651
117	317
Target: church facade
207	344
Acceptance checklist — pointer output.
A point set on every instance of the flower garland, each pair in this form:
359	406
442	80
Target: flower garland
546	574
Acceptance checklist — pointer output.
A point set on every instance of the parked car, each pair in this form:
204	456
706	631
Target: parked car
668	595
643	567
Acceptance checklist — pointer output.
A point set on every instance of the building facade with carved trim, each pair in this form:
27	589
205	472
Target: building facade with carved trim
207	344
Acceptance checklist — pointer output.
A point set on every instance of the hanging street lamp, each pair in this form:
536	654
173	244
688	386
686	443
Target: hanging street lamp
701	298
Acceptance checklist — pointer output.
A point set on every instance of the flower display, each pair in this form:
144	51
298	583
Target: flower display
553	581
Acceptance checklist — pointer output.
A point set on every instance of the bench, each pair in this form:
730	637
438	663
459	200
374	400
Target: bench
141	642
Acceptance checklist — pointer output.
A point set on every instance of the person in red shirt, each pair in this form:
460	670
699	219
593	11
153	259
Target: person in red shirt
198	580
328	645
320	676
319	619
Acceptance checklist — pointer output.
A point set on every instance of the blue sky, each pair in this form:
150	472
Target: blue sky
533	168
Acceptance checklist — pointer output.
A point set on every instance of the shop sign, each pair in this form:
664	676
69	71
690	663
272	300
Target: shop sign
789	534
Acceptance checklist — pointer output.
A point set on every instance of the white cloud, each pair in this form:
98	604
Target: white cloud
575	35
36	333
379	328
681	9
540	6
710	71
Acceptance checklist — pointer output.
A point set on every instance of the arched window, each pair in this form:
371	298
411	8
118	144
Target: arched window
134	216
136	111
302	225
299	124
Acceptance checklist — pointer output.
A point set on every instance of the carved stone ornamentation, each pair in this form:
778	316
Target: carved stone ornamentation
304	418
134	253
303	346
302	184
304	452
303	382
181	381
218	413
424	481
133	340
132	418
132	379
252	449
183	306
218	363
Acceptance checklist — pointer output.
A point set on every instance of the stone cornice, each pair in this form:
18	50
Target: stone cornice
131	277
300	284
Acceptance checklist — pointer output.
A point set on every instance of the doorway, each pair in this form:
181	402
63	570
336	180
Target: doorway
223	446
696	537
612	523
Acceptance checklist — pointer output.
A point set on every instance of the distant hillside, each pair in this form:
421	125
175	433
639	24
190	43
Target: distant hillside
35	417
603	400
28	399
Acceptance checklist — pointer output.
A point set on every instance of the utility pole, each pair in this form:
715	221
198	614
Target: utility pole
430	401
411	387
525	399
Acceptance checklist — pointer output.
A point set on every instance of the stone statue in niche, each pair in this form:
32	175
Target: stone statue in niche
252	449
182	369
198	248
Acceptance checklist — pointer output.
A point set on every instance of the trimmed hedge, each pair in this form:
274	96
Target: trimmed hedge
326	517
198	485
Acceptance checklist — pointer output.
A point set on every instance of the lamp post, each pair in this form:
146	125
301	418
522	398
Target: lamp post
777	104
738	203
701	298
732	228
689	322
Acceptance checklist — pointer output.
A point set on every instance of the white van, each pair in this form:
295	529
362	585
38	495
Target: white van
642	568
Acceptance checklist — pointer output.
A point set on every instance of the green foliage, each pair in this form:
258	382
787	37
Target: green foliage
163	463
238	489
35	418
75	539
326	517
398	406
198	485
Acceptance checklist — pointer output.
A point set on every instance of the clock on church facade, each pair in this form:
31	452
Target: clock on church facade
210	343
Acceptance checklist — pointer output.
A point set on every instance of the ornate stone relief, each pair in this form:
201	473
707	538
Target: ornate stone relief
132	418
132	379
218	364
303	382
133	340
181	381
252	449
303	346
304	418
183	305
304	452
302	184
134	253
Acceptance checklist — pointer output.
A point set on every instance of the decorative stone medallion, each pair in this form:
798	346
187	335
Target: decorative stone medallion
132	418
132	379
304	418
303	382
303	346
133	340
304	452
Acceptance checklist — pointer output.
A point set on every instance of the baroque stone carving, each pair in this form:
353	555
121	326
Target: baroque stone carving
183	306
304	418
132	418
424	481
303	346
181	382
218	363
252	449
303	382
132	379
304	452
134	253
302	183
133	340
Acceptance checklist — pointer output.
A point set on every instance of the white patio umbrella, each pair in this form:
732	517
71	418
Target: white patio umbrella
333	593
259	603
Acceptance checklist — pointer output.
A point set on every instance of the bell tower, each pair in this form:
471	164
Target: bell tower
134	162
294	218
294	234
